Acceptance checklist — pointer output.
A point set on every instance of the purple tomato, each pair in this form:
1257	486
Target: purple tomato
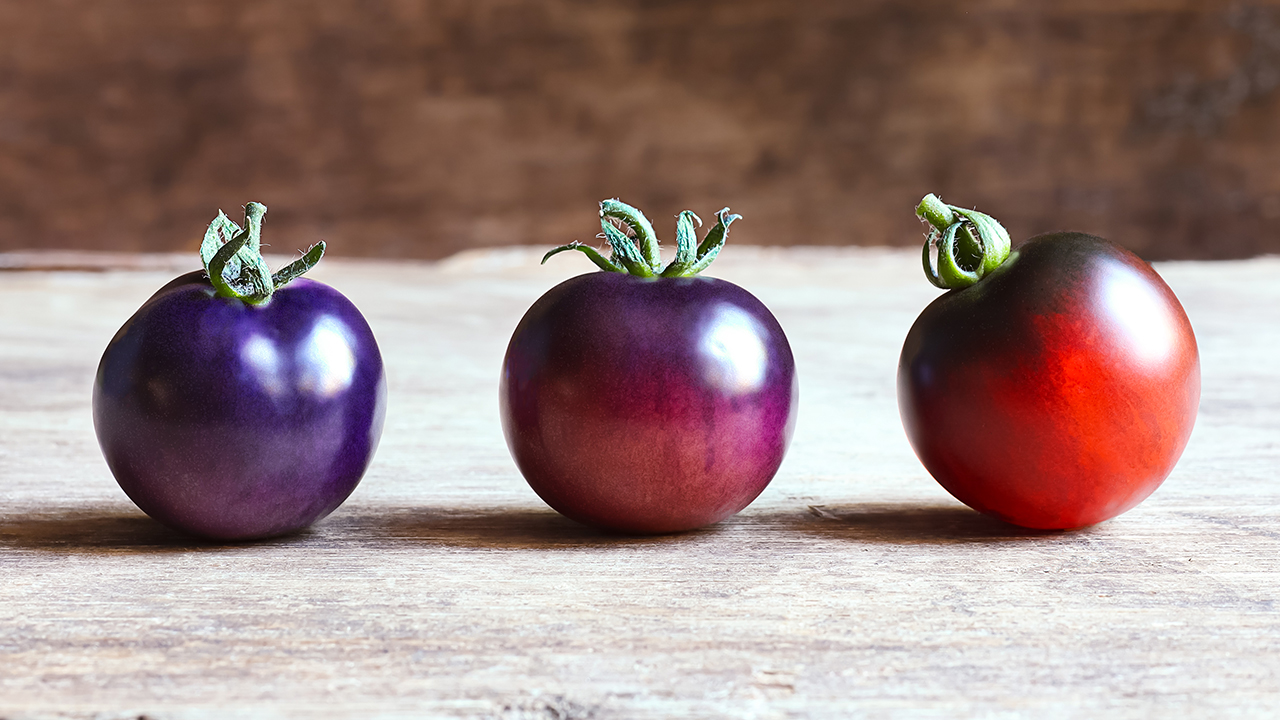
243	406
1052	387
646	399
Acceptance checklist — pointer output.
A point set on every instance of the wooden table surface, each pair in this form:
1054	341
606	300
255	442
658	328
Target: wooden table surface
853	587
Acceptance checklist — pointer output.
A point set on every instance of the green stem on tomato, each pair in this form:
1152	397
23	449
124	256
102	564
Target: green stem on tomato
968	244
935	212
233	258
641	256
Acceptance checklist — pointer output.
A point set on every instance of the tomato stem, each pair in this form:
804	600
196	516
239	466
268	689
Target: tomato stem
935	212
962	246
641	256
233	258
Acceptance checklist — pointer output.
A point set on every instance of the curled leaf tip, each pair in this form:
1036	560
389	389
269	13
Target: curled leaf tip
724	216
601	261
556	251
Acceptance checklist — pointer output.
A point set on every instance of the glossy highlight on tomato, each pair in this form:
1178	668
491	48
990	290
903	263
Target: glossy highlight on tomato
648	404
1056	391
235	420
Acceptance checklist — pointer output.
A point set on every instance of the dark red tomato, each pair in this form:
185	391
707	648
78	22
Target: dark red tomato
648	404
233	418
1056	391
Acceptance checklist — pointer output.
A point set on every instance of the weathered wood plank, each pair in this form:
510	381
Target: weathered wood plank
853	587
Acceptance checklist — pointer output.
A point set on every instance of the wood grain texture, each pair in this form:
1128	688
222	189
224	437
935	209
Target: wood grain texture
854	586
418	128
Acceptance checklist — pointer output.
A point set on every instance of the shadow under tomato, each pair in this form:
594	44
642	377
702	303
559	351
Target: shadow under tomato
908	523
124	530
105	530
498	528
545	529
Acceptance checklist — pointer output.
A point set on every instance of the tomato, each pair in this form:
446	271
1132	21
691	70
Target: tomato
1053	389
652	400
242	407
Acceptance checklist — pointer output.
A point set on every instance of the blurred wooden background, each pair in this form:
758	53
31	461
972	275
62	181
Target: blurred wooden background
416	128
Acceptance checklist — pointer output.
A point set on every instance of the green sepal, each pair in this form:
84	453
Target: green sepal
601	261
969	244
644	259
220	231
646	238
298	267
994	238
233	259
237	269
946	272
930	268
249	284
714	242
686	245
625	252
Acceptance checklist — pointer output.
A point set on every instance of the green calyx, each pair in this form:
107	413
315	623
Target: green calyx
233	258
640	255
968	244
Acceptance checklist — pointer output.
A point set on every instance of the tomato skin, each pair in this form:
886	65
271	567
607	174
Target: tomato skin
648	405
1057	392
234	422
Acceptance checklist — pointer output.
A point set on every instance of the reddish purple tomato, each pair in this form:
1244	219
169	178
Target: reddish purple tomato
234	415
647	400
1055	389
